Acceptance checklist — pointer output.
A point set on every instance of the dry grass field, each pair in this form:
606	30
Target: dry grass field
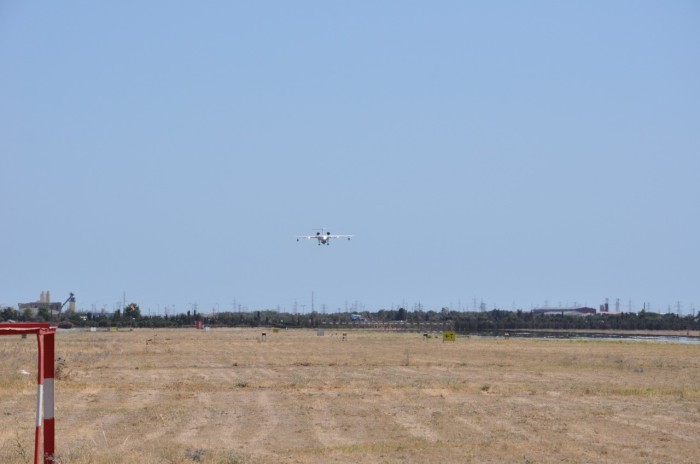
227	396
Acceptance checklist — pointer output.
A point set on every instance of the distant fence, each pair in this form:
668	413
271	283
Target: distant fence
397	326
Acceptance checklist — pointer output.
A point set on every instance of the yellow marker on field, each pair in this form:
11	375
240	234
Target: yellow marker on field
449	336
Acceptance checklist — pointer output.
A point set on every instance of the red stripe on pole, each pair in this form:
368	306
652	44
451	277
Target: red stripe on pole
49	431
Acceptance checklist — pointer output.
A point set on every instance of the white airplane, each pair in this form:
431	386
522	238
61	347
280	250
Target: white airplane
323	239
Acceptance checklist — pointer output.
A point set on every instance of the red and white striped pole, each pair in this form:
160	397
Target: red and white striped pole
49	402
45	335
39	399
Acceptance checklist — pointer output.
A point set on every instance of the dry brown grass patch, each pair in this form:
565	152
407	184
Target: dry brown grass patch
226	396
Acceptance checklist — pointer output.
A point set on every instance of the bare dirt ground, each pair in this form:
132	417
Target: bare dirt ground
228	396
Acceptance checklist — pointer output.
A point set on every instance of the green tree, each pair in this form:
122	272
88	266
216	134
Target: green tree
401	314
9	313
132	310
44	313
27	314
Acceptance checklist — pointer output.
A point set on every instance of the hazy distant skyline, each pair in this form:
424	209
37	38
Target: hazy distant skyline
515	153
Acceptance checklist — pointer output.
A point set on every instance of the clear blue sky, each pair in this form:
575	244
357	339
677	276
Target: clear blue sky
519	153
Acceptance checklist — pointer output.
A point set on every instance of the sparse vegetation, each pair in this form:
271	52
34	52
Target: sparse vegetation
222	397
24	454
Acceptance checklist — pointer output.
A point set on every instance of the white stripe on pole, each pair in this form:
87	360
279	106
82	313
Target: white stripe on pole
39	404
48	398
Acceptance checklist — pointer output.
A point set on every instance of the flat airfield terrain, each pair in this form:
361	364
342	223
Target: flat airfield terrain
232	396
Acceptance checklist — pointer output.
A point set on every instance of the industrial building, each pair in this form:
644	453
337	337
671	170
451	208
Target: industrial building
582	311
54	308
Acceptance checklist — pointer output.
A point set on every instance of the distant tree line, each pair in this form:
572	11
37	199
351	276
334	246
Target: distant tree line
524	320
461	321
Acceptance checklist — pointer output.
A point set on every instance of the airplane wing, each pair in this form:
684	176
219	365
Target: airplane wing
341	236
308	237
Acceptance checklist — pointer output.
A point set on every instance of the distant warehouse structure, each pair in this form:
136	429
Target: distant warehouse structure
53	307
583	311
